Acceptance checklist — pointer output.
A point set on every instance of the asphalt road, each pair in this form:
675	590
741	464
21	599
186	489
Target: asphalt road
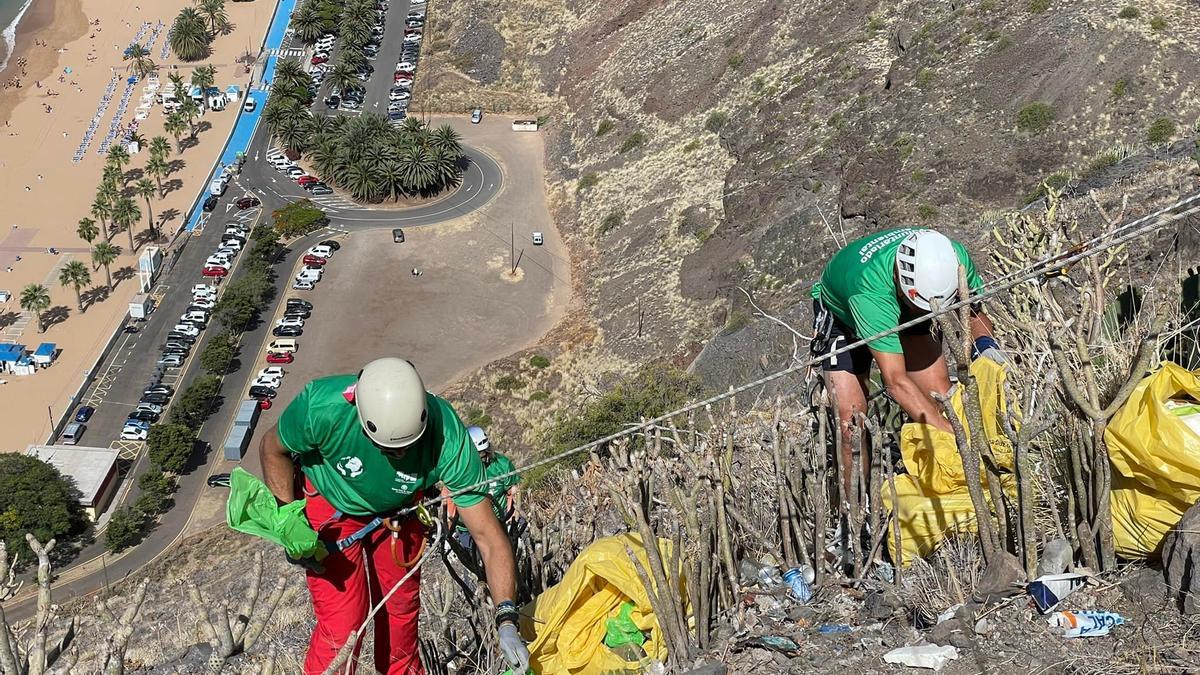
375	97
129	368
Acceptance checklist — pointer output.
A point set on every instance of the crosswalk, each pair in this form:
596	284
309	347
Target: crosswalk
334	231
294	51
334	201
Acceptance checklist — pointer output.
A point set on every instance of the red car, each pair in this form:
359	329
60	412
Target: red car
314	260
215	271
283	357
318	60
305	180
403	77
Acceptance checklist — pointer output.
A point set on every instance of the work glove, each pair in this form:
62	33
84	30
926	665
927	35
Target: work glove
988	348
310	564
513	648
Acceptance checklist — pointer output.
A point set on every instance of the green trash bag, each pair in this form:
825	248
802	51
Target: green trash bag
621	630
252	509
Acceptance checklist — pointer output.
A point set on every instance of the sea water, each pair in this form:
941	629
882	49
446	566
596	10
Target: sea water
11	12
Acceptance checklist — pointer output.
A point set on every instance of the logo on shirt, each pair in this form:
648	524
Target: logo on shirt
350	467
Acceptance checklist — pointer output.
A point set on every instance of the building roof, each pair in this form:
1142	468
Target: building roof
88	466
46	349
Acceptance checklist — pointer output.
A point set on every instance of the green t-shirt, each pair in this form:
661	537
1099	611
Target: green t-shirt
859	286
496	490
321	427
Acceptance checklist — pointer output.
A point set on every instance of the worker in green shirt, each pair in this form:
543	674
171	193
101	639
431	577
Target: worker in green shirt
501	492
368	445
874	284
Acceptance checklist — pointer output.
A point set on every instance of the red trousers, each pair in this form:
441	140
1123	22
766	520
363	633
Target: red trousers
344	593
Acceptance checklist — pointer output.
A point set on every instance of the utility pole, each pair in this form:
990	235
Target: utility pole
50	416
512	247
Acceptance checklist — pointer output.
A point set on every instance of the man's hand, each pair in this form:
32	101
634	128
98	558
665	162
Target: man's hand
513	648
919	405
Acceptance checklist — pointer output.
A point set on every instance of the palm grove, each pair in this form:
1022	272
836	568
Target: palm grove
366	156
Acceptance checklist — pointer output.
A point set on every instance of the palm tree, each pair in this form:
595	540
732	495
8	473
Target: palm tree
175	125
447	139
140	58
102	209
145	189
308	23
445	167
189	36
87	230
360	181
214	12
343	76
126	214
190	111
160	147
177	84
105	254
36	298
391	179
290	75
159	169
135	137
204	77
76	275
416	166
111	179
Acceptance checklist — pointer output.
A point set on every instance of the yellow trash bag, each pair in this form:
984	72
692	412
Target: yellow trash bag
932	501
569	618
1156	461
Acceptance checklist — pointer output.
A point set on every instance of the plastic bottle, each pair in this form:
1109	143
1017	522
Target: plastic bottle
768	577
795	578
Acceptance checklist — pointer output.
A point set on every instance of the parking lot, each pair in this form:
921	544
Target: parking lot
462	311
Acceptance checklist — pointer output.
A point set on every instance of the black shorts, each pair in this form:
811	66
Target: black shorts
831	334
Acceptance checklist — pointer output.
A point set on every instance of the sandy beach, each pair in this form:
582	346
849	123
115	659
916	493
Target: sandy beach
45	193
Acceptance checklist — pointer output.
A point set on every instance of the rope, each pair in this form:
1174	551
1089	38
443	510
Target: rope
1119	235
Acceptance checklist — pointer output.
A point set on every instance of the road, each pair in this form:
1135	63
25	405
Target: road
131	365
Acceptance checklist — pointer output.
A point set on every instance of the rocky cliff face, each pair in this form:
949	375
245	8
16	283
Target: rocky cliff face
699	147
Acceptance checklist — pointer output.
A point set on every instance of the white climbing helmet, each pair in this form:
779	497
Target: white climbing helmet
390	398
480	439
927	267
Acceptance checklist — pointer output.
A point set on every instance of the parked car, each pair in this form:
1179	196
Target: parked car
144	416
133	434
270	382
218	480
159	399
321	189
284	357
398	235
287	331
291	321
264	404
320	250
305	180
315	260
262	392
300	302
247	202
476	116
538	240
150	407
130	328
186	329
319	57
181	337
271	371
214	271
210	203
300	285
249	105
204	290
298	312
170	360
84	413
332	102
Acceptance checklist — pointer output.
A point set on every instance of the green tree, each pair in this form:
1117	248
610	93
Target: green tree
160	147
87	230
158	168
245	297
119	157
190	110
298	219
446	139
1160	132
290	75
140	62
36	498
219	353
126	214
102	210
124	529
344	76
194	404
204	77
214	12
145	189
105	254
308	22
651	392
75	274
175	125
36	298
169	446
157	488
1035	118
189	37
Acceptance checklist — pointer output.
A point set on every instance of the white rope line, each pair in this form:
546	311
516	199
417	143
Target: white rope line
1161	218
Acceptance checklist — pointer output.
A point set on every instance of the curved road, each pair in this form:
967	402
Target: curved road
95	569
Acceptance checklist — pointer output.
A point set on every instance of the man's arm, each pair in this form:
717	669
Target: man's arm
497	553
981	324
278	471
918	404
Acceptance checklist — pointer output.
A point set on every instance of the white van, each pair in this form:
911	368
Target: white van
216	187
309	274
281	345
194	317
73	432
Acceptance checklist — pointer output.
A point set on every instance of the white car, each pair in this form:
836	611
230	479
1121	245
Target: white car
416	2
206	303
310	274
538	240
320	251
399	95
231	244
405	67
186	329
296	173
302	285
291	321
133	434
203	290
412	37
268	382
271	371
227	251
150	407
217	260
